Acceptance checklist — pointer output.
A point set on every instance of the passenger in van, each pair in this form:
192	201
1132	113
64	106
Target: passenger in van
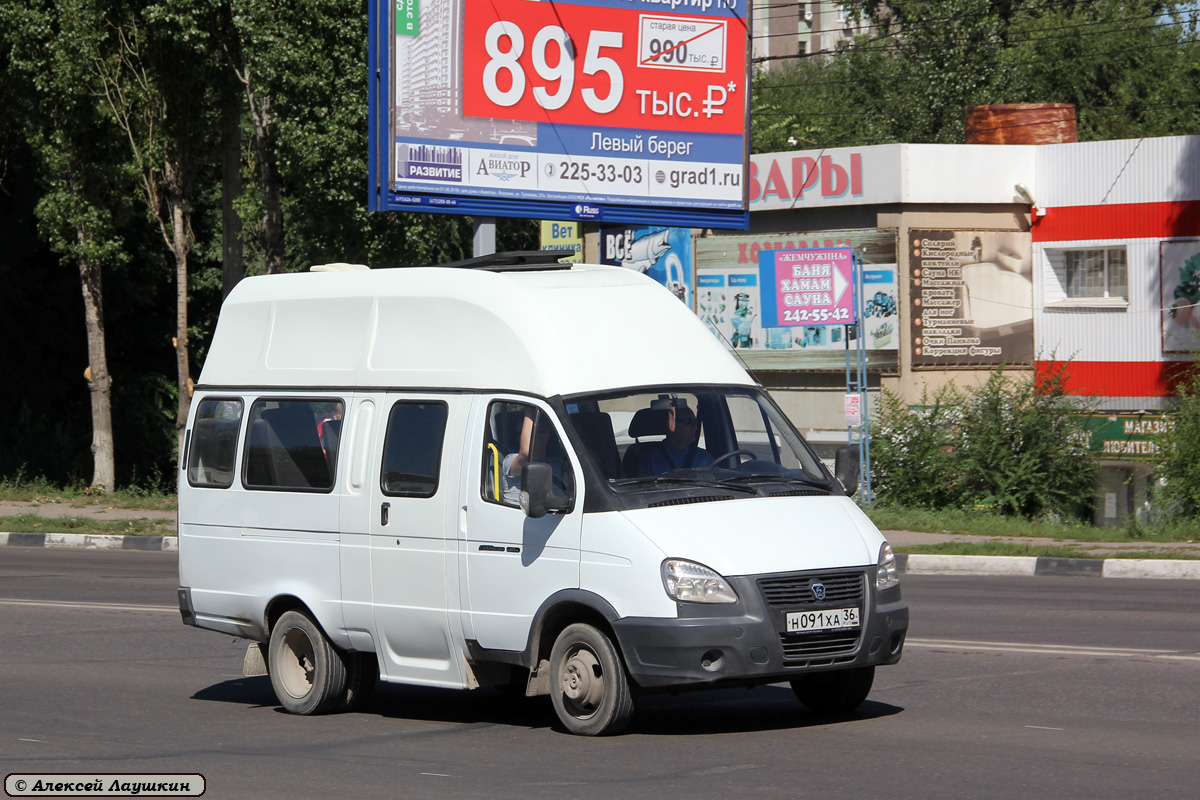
531	447
678	450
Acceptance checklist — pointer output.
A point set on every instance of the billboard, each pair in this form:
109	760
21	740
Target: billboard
562	236
807	287
730	296
972	298
1179	265
614	110
1126	437
661	253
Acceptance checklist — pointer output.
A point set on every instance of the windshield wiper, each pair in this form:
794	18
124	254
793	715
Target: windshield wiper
665	479
789	479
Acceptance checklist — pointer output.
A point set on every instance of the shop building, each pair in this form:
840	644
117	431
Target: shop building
974	256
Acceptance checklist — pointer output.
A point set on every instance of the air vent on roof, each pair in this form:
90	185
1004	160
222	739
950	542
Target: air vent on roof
516	260
337	267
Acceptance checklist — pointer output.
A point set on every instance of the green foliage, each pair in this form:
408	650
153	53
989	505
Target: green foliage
1130	68
1011	446
1019	448
912	450
1179	470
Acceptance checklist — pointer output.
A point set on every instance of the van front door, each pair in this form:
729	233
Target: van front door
412	528
513	563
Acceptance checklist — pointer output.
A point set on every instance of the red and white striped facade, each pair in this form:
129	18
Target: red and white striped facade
1135	193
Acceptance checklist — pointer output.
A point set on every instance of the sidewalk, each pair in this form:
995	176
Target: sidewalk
1093	549
1096	558
91	510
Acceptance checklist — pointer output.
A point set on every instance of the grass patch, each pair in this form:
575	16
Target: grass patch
993	548
997	548
982	523
35	523
38	490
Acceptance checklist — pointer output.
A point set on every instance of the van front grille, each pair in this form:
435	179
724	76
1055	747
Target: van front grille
796	592
818	649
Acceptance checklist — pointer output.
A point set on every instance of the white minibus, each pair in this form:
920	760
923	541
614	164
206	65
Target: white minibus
515	473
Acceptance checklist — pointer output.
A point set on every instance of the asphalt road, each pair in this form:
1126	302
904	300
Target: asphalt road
1009	687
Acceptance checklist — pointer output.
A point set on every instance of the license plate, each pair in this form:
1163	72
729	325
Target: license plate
823	620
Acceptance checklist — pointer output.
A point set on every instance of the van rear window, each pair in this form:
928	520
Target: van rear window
293	444
212	458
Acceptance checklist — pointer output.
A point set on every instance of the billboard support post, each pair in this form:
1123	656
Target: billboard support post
483	236
858	385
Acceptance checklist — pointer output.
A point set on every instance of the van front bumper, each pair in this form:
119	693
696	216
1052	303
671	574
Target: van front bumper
746	643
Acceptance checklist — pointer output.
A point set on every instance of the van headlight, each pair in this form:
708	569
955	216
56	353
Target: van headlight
689	582
886	576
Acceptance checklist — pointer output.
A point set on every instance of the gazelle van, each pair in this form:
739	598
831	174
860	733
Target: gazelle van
537	475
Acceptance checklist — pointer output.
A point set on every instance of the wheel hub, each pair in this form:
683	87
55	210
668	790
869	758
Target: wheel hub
582	682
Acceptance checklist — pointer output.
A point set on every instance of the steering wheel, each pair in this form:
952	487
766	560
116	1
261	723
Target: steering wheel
733	453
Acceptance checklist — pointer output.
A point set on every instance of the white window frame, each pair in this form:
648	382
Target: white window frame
1057	259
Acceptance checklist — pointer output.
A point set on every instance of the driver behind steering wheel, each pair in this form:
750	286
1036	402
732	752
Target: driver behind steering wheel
679	449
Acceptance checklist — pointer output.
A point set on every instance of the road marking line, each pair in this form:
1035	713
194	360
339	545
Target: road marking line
969	642
1052	649
90	606
1042	728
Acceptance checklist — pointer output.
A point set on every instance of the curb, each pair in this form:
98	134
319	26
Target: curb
924	564
911	564
91	541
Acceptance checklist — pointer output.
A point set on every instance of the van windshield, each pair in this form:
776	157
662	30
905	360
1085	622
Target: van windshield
734	438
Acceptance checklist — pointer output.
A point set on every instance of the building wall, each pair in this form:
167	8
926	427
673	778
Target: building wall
1136	194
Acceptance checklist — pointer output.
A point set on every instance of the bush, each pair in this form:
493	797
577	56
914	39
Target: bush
912	450
1019	447
1179	471
1012	446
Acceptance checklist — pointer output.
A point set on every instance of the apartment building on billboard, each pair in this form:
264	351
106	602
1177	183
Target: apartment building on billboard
975	256
784	32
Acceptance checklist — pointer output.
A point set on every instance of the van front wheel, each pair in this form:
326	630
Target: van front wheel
307	672
588	685
837	692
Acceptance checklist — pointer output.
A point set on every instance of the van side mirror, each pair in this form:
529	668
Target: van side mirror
537	491
846	468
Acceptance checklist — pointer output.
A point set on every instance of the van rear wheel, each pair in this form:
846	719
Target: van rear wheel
836	692
588	685
307	672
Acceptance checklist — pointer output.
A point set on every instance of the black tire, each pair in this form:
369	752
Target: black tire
362	672
588	685
307	672
836	692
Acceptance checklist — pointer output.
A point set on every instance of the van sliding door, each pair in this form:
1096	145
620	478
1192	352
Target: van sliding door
412	524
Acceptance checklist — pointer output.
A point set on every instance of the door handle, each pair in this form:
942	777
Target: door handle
383	513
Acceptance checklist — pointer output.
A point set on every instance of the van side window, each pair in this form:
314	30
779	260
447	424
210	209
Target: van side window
412	451
292	444
516	434
213	454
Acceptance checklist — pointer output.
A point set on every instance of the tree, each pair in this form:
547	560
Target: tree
80	172
1129	67
161	112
